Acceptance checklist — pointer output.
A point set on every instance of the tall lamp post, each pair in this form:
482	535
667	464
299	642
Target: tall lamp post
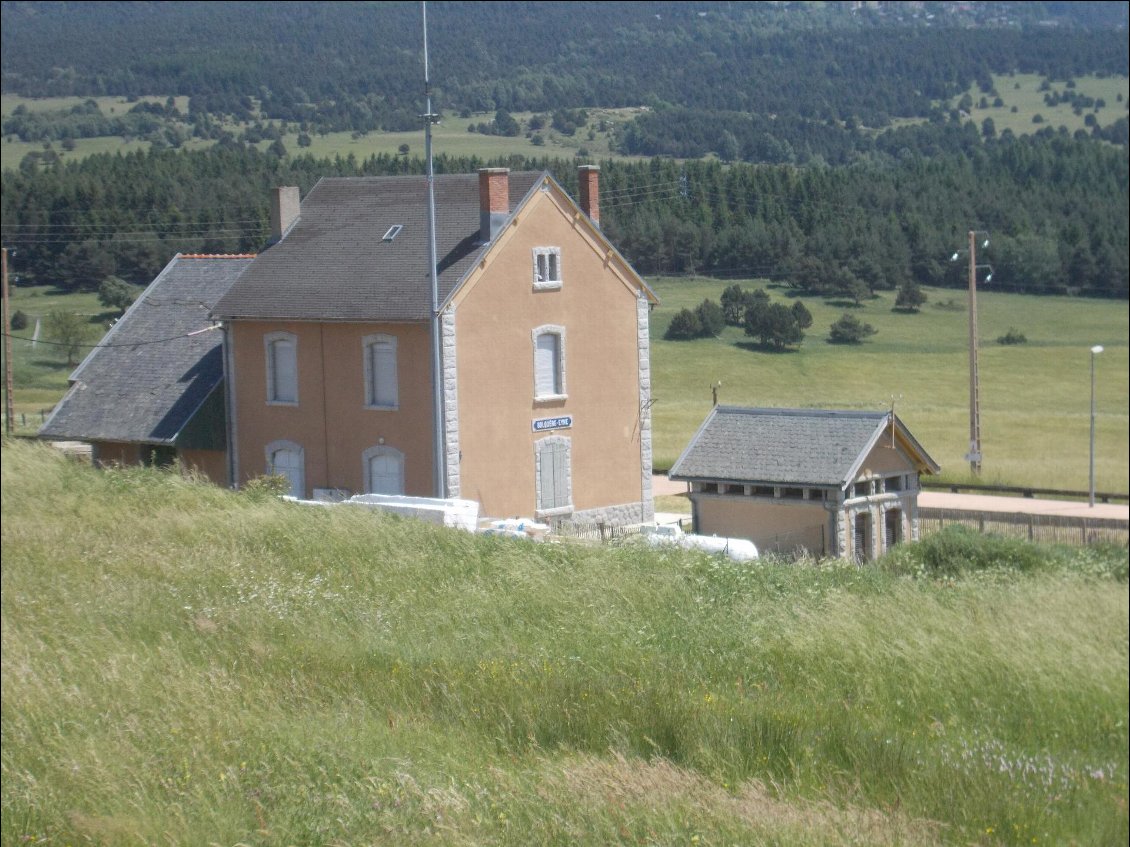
1094	352
974	455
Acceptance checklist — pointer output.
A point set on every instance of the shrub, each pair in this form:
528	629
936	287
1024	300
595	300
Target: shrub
19	320
262	487
684	326
850	330
1013	336
775	324
910	297
802	315
957	550
711	317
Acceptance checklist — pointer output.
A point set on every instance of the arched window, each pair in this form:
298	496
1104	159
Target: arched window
287	459
381	391
549	362
282	367
384	470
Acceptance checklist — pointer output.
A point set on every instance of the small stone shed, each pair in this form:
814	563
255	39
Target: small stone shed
826	482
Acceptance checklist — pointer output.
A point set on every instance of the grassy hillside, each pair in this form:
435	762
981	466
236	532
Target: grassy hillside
450	136
39	369
184	665
1035	397
1023	93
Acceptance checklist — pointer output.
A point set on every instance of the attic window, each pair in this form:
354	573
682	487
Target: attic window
393	231
547	268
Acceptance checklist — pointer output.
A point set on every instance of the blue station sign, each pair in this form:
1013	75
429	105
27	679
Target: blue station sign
545	424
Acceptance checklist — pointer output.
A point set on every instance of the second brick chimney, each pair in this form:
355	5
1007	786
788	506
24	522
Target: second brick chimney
588	176
494	201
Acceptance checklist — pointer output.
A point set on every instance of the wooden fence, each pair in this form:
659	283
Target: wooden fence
1056	529
1023	491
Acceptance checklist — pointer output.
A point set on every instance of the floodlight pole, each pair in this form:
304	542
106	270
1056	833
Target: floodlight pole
974	375
1094	352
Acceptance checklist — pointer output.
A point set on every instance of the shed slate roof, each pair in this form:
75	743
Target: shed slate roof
333	264
788	446
148	377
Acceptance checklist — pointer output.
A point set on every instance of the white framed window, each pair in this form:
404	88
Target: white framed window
381	391
549	363
547	268
287	459
384	470
282	368
553	475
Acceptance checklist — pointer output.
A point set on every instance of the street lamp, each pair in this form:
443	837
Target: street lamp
974	455
1094	352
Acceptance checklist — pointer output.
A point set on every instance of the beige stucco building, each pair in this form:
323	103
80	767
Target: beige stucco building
829	483
542	348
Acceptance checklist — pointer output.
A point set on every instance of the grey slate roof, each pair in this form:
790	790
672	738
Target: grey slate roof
787	446
334	266
148	377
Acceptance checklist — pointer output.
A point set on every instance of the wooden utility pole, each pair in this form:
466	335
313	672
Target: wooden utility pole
9	406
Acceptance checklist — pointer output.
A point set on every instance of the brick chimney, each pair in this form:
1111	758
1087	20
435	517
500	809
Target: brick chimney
589	178
284	211
494	201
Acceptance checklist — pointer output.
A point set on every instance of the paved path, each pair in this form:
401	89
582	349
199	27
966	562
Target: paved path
1021	505
972	503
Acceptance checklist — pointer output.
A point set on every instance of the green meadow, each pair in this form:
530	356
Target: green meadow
185	665
39	367
450	136
1035	397
1019	92
1022	93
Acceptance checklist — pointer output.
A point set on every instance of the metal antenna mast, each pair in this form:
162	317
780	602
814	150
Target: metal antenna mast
429	117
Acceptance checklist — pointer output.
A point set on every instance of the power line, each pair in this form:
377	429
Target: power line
101	346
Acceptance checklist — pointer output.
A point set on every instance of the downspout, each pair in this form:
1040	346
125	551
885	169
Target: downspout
229	405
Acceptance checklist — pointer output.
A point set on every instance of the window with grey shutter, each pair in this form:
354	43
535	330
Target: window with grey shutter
381	389
554	492
282	368
386	472
549	362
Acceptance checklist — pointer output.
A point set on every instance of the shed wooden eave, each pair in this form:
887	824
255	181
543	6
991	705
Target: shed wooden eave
894	428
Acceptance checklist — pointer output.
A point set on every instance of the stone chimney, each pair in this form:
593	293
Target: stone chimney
589	178
494	201
284	211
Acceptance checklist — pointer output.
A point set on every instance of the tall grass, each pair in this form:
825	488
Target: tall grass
185	665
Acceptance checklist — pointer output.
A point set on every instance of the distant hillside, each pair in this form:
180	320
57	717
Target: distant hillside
359	65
